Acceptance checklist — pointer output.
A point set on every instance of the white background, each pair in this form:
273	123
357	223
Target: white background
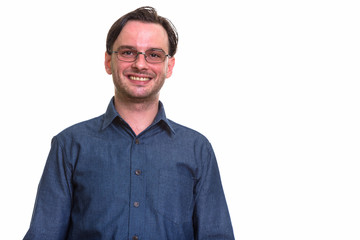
274	85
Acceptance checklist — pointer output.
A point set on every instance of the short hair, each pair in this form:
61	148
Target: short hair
143	14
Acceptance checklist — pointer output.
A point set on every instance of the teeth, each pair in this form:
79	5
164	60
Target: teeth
139	78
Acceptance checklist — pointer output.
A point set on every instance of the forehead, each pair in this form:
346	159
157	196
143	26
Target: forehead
142	36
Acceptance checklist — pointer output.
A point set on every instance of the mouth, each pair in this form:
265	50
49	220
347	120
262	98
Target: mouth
141	79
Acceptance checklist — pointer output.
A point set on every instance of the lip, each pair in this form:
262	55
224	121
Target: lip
139	78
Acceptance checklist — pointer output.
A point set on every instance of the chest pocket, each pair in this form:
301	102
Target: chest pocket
175	196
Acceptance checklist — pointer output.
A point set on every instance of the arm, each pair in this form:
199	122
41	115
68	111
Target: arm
211	215
52	208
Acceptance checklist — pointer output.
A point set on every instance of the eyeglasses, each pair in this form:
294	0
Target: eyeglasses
151	55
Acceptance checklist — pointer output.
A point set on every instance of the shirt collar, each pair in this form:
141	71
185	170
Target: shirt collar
111	114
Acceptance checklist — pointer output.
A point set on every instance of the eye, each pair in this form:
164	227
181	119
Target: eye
155	54
127	53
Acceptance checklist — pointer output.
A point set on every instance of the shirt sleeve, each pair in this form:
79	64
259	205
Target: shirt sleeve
211	215
52	208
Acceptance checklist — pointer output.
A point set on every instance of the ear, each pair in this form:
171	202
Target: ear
108	63
170	66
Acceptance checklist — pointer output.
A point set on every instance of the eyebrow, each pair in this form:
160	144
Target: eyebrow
157	49
125	46
131	47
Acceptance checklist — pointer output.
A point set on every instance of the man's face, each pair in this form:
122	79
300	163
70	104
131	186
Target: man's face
139	80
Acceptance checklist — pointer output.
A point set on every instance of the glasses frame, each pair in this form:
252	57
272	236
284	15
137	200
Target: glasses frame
143	53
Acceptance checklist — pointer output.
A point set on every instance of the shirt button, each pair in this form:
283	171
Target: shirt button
135	238
137	141
138	172
136	204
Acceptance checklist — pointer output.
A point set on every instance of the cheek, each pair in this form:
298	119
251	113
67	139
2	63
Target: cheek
162	70
118	68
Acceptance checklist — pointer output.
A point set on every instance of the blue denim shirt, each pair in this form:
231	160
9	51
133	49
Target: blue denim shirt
102	182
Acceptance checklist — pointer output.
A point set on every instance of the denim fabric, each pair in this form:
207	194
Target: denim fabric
102	182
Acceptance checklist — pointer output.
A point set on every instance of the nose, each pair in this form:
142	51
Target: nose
140	62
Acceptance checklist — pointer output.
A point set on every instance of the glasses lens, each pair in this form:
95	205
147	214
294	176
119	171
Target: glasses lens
127	54
155	56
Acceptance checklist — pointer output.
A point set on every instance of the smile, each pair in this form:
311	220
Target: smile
143	79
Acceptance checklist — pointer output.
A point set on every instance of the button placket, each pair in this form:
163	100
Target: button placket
135	237
137	211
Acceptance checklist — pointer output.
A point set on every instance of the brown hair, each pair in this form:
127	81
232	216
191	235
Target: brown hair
144	14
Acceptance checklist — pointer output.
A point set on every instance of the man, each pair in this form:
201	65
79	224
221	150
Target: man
132	173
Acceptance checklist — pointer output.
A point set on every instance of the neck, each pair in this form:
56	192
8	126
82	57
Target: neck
138	114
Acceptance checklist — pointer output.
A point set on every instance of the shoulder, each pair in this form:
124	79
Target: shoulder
189	134
88	127
181	129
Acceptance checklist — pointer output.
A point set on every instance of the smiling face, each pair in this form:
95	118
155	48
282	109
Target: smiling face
139	81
